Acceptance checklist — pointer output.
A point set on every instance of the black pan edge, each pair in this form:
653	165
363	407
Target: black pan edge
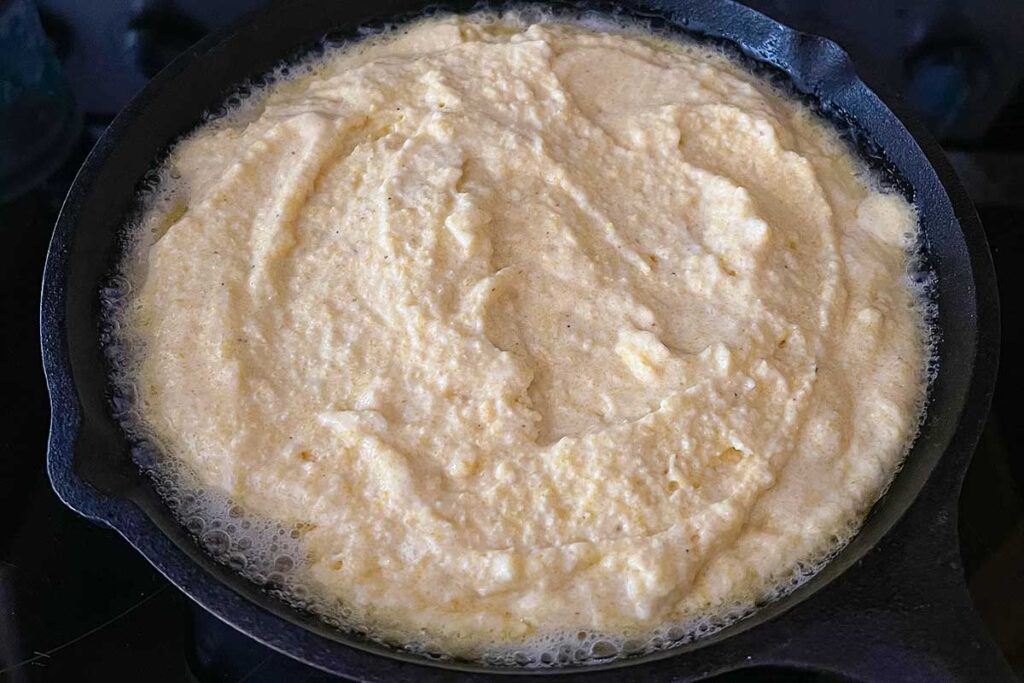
821	70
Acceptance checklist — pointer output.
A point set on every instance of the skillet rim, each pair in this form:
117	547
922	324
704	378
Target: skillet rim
124	515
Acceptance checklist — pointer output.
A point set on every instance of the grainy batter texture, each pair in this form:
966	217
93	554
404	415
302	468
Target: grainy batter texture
533	329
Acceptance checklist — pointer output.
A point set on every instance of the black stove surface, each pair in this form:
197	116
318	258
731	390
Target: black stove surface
77	603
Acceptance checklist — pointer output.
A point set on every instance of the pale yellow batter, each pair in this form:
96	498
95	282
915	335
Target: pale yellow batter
533	329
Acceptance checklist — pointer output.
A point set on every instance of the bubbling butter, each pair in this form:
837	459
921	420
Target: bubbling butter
532	342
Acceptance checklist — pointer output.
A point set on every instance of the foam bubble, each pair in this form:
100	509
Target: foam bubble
271	555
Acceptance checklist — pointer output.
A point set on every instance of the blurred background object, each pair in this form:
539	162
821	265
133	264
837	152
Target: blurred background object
39	122
76	603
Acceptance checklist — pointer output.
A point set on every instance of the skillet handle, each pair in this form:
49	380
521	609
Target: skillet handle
902	613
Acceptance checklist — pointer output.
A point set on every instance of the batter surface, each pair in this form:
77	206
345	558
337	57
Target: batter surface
531	329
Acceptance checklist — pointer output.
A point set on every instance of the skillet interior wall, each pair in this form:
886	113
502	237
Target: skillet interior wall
93	290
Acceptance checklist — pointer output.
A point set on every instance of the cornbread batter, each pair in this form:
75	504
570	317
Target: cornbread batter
531	329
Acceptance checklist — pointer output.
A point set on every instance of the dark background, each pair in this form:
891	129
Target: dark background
78	604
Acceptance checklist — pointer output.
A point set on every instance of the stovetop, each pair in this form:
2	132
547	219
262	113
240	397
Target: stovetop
77	603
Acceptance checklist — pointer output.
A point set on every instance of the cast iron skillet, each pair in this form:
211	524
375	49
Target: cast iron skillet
892	605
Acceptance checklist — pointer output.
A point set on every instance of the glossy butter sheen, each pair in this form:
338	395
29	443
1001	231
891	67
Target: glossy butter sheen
532	329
